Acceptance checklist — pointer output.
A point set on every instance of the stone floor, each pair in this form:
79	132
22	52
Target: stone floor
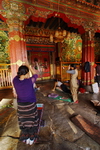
58	131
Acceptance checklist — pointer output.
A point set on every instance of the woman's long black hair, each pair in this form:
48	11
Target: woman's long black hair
22	70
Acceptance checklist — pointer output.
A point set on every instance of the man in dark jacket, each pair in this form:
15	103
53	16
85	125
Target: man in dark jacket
98	74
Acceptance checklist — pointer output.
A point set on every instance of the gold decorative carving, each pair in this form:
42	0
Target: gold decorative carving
92	45
15	24
37	32
13	6
17	38
13	10
92	63
38	13
11	38
3	26
87	24
77	20
92	80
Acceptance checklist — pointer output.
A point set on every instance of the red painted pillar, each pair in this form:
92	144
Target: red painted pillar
88	56
92	62
17	44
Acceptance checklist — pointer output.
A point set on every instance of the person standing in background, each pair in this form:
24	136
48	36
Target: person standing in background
73	82
26	101
98	75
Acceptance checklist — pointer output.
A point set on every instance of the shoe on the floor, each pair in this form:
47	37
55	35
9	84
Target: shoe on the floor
38	88
28	141
35	140
31	142
76	102
24	141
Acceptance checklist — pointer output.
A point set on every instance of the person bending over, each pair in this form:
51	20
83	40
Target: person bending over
61	86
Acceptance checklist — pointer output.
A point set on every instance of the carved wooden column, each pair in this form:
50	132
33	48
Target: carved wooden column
15	17
88	56
17	44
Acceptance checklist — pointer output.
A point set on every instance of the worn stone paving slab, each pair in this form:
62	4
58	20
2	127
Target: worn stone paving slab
9	124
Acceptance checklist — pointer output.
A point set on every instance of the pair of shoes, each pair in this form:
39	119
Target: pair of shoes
29	141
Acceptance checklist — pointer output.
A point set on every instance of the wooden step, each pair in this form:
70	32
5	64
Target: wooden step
89	128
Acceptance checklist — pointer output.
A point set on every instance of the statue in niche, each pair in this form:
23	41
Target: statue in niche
35	63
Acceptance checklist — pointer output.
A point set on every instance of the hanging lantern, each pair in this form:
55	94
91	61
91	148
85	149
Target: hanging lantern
59	34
